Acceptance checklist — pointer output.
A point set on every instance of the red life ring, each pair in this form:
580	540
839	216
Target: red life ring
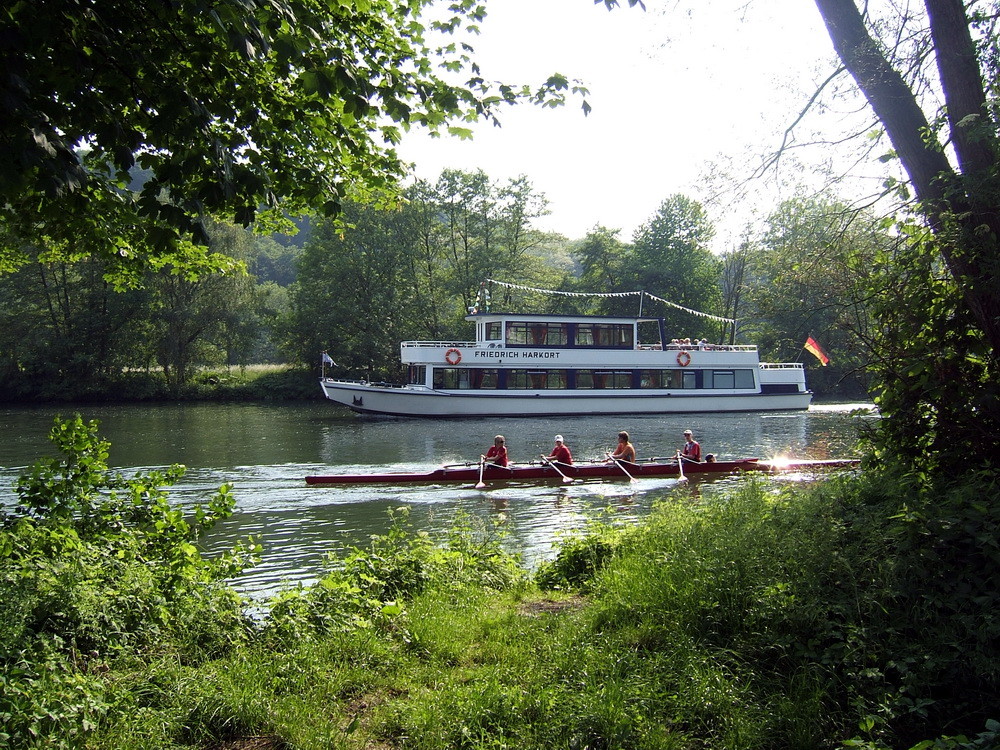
683	358
453	356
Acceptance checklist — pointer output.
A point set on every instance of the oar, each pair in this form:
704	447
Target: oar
680	468
566	479
620	466
482	465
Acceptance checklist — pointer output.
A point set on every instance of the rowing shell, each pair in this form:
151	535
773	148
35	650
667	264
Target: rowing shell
546	473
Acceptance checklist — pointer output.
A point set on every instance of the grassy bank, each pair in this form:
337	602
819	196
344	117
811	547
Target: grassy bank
776	617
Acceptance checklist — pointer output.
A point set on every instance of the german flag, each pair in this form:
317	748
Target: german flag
813	347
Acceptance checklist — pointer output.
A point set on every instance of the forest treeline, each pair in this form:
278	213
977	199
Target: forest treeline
358	286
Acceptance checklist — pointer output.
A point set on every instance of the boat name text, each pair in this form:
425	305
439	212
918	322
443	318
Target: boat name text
516	354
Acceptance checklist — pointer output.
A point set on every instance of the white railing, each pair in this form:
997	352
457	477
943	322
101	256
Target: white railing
437	344
711	347
781	365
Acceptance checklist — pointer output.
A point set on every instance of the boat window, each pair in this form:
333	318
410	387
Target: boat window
608	335
417	375
690	379
536	379
494	331
446	377
517	379
584	379
484	378
729	379
557	379
651	378
537	334
612	378
720	379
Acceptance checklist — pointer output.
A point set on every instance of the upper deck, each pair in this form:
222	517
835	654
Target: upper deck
571	340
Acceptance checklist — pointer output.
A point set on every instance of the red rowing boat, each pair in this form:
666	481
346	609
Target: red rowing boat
543	472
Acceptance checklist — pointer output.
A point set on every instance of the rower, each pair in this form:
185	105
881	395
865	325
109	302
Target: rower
560	452
625	450
691	450
497	454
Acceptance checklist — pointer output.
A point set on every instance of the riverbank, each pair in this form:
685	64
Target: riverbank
769	617
260	383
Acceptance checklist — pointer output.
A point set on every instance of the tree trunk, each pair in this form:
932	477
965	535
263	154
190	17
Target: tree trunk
961	210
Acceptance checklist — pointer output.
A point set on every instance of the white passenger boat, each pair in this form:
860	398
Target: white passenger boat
558	365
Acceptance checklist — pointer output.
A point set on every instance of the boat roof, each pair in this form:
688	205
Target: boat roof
541	317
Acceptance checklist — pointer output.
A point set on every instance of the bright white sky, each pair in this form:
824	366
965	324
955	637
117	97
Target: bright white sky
674	90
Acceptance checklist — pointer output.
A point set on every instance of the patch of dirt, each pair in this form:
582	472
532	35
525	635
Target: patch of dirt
539	607
268	742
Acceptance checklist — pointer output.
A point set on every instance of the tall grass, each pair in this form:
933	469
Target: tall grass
859	610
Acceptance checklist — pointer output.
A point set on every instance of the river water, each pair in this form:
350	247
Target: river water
265	451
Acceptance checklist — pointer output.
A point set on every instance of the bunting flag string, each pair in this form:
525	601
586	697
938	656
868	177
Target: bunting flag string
689	310
509	285
564	294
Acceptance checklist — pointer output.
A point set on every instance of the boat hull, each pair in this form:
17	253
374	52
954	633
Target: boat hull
407	401
541	473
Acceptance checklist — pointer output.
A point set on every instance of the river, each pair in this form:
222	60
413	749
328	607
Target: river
265	451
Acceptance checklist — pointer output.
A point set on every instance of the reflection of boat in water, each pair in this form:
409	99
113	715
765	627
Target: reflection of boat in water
542	472
569	365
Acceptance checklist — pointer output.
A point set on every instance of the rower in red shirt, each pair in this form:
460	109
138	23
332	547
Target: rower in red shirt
561	453
691	450
497	454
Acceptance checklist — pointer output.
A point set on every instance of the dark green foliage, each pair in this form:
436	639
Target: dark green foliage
412	273
936	373
669	257
235	109
94	566
815	272
792	594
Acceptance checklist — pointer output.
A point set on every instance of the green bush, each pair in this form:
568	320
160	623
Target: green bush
367	587
579	557
94	566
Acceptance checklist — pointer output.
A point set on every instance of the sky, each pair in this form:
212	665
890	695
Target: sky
681	94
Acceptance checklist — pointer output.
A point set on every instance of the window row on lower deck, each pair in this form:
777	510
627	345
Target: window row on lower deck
492	378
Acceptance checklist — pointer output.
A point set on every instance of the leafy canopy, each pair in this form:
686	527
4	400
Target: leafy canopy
234	108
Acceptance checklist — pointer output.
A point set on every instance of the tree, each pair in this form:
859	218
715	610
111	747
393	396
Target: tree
484	228
209	319
670	258
235	107
354	296
63	329
602	258
943	326
813	273
960	204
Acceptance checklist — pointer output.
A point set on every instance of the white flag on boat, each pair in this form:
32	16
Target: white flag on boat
328	360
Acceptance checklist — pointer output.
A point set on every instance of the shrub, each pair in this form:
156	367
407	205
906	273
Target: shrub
93	566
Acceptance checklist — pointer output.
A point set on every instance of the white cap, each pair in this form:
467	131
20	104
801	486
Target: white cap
688	432
559	438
